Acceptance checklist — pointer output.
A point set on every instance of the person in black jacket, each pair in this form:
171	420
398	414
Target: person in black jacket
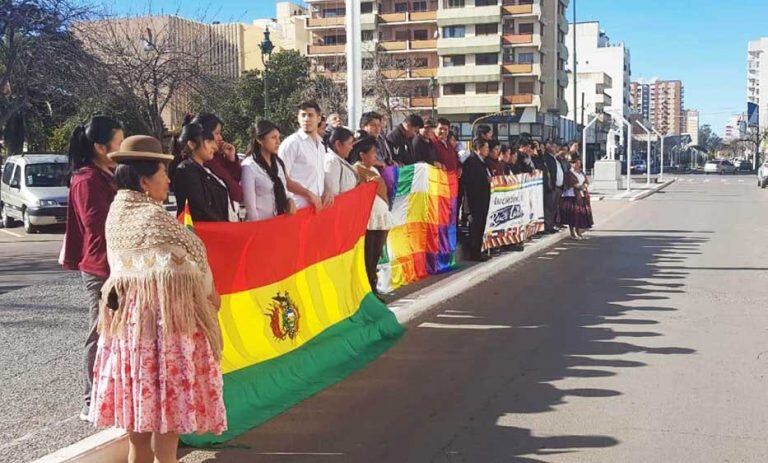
400	139
477	187
554	178
524	164
423	149
194	184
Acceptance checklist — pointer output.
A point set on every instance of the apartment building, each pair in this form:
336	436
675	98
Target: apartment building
736	128
660	102
691	117
757	78
596	53
469	58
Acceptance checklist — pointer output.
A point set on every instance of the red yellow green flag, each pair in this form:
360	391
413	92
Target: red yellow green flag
185	217
297	311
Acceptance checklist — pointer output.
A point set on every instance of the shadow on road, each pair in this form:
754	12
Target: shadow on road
464	384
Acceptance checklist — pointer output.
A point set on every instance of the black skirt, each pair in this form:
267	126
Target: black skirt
576	213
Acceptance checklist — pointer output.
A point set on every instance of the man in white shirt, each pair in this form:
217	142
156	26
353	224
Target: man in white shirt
303	154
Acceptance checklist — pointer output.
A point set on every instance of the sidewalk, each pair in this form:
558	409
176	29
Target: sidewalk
639	190
409	303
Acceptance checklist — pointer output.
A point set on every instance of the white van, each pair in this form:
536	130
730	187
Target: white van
33	190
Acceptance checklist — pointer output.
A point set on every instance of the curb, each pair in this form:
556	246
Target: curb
108	446
653	190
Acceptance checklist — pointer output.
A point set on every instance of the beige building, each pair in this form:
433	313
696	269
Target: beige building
230	48
692	125
661	103
468	57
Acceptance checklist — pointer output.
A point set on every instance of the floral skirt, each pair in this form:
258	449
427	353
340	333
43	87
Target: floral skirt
575	213
169	385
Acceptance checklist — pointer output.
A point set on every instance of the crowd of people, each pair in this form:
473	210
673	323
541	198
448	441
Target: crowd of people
145	340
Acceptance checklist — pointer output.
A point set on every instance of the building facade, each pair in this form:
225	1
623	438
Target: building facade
692	125
736	128
757	78
596	53
660	102
467	58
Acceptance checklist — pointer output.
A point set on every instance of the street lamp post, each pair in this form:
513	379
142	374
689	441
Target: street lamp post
648	154
266	46
584	142
432	87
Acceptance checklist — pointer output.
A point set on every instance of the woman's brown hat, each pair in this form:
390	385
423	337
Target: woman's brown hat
140	148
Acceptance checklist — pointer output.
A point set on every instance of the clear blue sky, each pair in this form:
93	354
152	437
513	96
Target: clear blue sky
701	42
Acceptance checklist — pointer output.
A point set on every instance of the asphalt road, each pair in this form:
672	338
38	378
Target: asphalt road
646	343
29	259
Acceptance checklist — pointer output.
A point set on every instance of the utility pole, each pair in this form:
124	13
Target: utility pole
575	73
354	63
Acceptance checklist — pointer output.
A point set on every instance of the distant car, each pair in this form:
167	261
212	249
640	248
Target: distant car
33	190
762	175
638	167
719	166
744	165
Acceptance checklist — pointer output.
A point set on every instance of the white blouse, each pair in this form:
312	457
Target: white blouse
258	190
381	217
340	176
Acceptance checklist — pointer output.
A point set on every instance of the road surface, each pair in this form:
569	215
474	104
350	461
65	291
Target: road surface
645	343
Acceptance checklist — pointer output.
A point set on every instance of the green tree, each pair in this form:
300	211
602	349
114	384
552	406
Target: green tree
708	140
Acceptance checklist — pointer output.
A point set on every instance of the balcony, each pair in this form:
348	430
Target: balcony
562	78
521	69
368	21
562	23
423	73
334	76
468	15
326	49
420	102
521	40
469	104
400	45
423	44
418	16
393	17
469	45
521	11
562	50
326	23
466	74
522	99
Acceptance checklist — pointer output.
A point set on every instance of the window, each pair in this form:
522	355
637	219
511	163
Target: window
422	34
333	12
454	89
526	28
335	40
46	174
7	172
455	4
418	6
525	87
487	29
487	87
366	7
421	90
454	60
366	36
401	7
486	2
525	58
402	35
420	62
486	58
16	176
453	32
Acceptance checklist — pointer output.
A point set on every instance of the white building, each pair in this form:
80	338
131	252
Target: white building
595	53
692	124
735	129
757	78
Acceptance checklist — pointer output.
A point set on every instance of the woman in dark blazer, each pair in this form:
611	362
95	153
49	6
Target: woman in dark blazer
194	184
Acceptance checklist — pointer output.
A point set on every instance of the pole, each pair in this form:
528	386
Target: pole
354	64
266	105
575	73
648	154
661	167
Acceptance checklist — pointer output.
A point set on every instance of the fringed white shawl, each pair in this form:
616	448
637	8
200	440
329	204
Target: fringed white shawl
159	269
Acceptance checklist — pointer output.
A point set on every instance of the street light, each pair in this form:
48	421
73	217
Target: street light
584	142
266	46
432	87
661	163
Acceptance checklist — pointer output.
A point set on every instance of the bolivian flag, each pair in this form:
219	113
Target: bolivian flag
185	217
297	311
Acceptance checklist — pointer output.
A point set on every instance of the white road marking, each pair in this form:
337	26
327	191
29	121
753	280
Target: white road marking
706	180
449	315
741	181
11	233
464	327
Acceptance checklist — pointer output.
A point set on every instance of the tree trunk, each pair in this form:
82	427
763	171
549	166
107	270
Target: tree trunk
14	134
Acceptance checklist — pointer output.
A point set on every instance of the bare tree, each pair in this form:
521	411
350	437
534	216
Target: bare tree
385	82
162	61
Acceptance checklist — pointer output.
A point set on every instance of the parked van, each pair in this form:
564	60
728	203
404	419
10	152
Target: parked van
33	190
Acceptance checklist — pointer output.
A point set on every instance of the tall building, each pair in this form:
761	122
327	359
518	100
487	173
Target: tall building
660	102
736	128
692	125
757	78
596	53
468	57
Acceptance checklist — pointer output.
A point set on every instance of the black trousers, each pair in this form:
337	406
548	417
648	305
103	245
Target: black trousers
477	228
93	286
374	245
552	207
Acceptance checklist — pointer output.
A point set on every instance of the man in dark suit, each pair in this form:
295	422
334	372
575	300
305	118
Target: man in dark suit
423	148
524	164
554	180
477	187
400	140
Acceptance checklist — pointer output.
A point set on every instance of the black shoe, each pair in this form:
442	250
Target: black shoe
480	258
551	231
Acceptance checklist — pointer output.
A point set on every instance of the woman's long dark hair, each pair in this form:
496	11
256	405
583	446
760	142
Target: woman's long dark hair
209	121
100	129
261	130
363	144
190	132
